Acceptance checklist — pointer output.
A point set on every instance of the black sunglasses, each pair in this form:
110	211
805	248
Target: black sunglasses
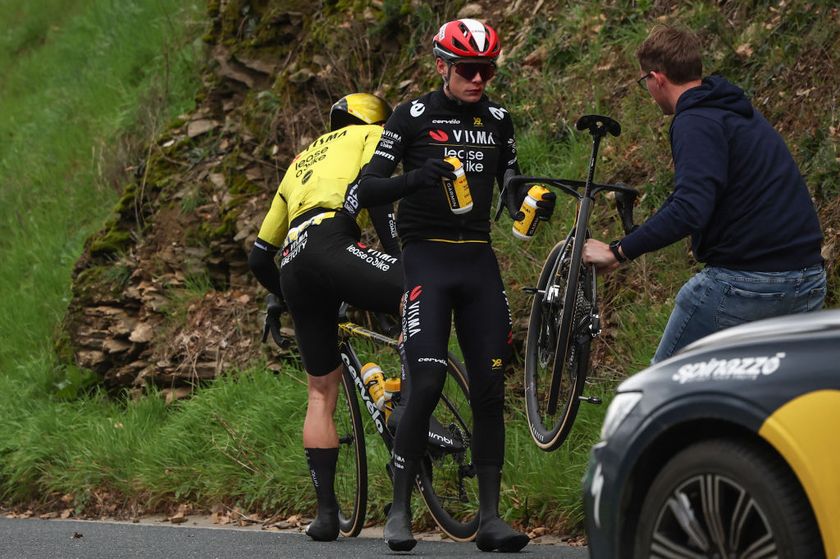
468	70
641	81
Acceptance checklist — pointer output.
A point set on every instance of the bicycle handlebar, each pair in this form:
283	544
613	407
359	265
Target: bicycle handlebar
570	186
625	196
283	341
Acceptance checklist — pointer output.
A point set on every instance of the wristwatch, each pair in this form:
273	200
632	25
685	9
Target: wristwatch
617	253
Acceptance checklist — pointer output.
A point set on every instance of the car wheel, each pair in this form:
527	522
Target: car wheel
726	499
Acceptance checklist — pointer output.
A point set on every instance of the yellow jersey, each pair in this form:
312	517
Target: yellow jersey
324	175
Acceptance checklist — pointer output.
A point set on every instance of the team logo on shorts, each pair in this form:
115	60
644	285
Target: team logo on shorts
294	248
379	260
411	313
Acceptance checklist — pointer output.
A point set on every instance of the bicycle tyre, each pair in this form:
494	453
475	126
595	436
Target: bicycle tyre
351	479
547	329
445	474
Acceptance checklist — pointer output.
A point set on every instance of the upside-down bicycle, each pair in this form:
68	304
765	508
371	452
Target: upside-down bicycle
446	481
564	311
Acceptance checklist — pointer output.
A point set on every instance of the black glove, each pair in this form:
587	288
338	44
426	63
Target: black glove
429	175
545	206
274	307
513	200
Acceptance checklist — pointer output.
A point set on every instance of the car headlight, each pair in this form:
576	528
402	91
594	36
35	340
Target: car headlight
620	407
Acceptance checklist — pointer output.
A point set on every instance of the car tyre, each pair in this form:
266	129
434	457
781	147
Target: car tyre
726	498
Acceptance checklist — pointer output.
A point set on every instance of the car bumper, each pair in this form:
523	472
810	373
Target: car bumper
601	503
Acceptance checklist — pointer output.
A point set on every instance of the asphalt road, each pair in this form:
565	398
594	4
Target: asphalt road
68	539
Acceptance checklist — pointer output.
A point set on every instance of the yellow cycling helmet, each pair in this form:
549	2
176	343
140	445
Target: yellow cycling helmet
359	108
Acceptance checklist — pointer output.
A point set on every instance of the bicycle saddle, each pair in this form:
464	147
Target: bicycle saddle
598	125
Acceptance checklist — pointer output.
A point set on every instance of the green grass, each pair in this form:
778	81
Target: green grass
236	442
83	82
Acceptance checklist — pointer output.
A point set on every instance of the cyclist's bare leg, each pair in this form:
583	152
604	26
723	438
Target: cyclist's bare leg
320	442
319	427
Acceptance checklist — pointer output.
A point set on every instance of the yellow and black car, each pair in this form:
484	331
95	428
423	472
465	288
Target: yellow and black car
731	448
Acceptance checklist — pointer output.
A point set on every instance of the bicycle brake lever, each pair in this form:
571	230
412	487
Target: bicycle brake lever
624	205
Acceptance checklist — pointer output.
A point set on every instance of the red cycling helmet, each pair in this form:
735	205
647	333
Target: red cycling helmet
466	38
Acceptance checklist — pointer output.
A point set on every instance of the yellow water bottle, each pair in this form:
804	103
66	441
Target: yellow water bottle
374	383
392	395
525	228
457	191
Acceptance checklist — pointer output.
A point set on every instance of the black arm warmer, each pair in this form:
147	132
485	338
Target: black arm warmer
513	196
376	191
261	262
382	218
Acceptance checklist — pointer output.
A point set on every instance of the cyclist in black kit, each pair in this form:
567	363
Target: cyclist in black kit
314	219
449	265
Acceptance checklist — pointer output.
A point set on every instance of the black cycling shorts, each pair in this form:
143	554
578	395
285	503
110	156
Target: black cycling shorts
324	266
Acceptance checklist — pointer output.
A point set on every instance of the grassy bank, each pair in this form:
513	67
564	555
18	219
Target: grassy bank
85	84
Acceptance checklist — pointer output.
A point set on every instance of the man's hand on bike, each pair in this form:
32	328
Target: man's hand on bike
430	174
598	254
274	308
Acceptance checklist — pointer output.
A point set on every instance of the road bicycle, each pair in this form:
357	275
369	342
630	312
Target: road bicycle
564	311
447	479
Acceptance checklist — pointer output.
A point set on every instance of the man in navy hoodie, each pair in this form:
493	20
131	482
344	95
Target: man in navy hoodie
737	192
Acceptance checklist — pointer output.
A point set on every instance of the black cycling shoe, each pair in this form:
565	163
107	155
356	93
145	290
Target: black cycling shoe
325	527
322	463
398	526
495	534
398	532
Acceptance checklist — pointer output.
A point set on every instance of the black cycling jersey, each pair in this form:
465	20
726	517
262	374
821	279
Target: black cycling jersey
434	126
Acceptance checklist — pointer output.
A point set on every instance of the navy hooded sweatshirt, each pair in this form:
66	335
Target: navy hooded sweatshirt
737	190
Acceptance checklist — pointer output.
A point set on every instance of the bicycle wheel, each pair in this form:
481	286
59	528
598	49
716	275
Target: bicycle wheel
546	338
351	469
447	479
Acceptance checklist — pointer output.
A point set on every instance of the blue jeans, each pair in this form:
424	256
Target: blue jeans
719	298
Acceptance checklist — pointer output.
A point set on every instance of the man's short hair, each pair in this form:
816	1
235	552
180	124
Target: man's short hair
674	51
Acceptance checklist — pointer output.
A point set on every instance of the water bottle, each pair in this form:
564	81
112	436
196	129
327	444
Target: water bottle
392	395
525	228
375	384
458	191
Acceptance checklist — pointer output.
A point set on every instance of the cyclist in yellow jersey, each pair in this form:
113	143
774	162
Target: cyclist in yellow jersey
315	221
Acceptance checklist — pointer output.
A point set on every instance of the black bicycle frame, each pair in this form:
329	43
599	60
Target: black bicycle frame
353	371
599	127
